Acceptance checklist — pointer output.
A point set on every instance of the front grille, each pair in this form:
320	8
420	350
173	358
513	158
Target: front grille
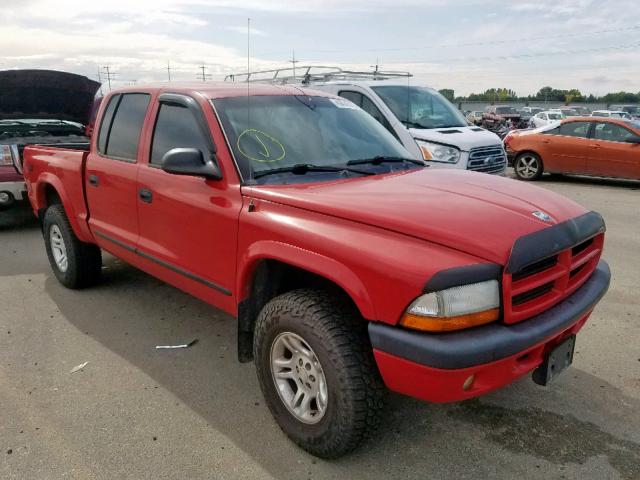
542	284
487	159
532	294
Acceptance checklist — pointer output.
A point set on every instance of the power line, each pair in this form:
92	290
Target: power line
511	40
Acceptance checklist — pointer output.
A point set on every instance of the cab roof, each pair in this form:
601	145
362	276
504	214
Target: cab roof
213	90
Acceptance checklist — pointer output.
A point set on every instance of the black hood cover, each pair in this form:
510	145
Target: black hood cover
46	94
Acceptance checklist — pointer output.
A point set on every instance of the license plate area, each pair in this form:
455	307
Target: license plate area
556	361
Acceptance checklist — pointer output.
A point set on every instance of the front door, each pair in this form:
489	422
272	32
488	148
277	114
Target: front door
111	173
188	225
610	154
566	148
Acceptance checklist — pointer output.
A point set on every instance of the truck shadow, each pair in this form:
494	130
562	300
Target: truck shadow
579	419
19	217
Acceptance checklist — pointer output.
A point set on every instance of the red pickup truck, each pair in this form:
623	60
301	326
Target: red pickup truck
348	264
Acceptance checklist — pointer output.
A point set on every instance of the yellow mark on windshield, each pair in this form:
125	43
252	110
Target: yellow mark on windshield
259	146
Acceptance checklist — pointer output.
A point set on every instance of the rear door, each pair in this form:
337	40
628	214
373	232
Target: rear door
188	225
610	155
566	148
112	169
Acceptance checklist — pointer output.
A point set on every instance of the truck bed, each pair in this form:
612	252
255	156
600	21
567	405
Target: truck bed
47	166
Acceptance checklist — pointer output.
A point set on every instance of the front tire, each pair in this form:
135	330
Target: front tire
74	263
528	166
317	372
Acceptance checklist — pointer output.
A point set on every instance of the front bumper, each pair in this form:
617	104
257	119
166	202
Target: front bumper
10	192
438	367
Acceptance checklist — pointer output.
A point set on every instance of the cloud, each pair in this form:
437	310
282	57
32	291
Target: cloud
242	29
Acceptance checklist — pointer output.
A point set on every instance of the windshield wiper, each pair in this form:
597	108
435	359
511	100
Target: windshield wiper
303	168
409	124
382	159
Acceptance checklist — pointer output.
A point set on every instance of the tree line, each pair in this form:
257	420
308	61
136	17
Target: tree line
545	94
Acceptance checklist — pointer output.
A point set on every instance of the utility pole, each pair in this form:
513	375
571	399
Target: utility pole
169	70
110	75
376	68
293	62
203	75
100	82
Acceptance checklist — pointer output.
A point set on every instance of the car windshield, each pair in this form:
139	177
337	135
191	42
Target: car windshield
419	107
278	132
632	110
569	112
507	110
555	116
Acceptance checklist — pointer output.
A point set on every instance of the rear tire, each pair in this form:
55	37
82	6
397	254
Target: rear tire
74	263
327	343
528	166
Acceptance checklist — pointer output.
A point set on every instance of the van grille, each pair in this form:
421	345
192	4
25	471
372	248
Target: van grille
487	159
542	284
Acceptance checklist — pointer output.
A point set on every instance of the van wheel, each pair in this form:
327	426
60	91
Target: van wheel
75	264
317	372
528	166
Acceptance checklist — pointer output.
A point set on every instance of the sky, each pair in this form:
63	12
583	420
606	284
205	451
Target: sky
466	45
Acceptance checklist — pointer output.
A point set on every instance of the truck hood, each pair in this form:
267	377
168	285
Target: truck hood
46	94
465	138
475	213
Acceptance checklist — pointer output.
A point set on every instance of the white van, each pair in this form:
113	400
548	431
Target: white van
424	121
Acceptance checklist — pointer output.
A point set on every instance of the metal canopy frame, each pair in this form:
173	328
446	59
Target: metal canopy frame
312	74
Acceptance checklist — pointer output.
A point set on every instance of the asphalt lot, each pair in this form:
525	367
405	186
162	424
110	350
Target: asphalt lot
136	412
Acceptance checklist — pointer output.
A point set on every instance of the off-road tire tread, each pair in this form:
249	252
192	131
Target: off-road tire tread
85	259
337	324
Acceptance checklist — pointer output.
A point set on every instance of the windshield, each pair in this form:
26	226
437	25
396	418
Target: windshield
280	131
569	112
507	110
555	116
632	110
419	107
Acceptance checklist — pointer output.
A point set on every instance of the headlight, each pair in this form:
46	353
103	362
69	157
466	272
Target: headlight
454	308
438	153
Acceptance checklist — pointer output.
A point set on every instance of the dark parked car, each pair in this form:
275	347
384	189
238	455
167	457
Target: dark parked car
39	107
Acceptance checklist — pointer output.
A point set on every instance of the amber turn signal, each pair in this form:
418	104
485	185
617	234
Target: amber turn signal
447	324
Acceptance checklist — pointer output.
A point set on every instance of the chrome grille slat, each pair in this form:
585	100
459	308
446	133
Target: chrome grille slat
487	159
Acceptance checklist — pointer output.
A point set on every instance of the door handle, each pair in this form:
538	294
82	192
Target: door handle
546	141
595	145
145	195
93	180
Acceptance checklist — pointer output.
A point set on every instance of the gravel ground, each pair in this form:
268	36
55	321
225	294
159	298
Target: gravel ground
138	413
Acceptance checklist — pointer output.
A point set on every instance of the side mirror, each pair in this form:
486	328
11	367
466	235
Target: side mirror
633	139
190	161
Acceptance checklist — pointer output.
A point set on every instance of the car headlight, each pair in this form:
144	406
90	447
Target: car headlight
435	152
455	308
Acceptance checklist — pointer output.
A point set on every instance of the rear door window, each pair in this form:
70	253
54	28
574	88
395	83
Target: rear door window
105	125
124	134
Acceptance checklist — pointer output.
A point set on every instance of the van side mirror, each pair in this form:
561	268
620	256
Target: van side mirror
633	139
190	161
